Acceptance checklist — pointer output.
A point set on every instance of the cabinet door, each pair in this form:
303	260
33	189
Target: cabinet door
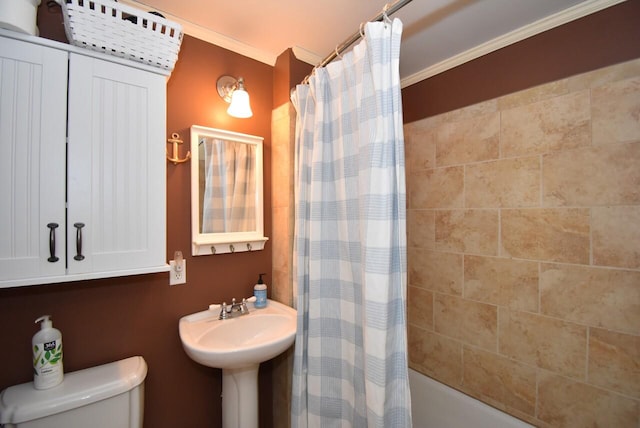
116	169
33	99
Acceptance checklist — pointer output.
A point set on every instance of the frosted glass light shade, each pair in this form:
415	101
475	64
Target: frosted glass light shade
240	106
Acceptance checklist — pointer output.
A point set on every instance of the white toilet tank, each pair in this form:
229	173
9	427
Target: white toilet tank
107	396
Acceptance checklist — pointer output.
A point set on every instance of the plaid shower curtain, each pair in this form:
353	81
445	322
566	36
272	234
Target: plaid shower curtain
350	360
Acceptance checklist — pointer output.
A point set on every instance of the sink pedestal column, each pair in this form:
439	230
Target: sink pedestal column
240	397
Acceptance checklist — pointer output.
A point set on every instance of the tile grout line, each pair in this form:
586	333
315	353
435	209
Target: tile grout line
586	365
591	207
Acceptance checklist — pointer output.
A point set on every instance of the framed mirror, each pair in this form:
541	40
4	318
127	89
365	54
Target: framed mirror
226	192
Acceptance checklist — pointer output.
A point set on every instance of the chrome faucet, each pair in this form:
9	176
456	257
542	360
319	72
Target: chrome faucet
234	309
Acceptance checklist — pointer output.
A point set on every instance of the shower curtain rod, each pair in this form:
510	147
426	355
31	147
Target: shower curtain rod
389	9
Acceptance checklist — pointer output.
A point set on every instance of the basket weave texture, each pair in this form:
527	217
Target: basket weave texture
120	30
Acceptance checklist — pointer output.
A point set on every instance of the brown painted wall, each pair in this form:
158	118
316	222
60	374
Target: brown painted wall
288	72
110	319
604	38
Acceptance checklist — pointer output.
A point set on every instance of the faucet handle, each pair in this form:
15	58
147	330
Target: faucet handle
243	307
223	311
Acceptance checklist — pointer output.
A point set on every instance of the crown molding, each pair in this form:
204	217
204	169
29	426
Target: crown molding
578	11
306	56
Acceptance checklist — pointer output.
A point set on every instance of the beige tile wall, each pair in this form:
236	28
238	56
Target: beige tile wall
282	205
524	250
282	158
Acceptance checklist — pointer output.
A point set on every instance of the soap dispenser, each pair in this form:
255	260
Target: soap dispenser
260	292
47	355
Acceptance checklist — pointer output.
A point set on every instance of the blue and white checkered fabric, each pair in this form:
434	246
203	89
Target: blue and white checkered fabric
229	202
351	363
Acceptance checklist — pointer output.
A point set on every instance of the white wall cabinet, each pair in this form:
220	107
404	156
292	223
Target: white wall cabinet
82	165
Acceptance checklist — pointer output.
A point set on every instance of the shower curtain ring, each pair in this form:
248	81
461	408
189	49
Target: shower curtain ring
338	53
362	29
387	20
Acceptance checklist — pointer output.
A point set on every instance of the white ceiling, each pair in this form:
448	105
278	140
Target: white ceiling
438	34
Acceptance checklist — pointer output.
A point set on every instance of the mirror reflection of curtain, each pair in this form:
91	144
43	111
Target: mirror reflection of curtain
230	187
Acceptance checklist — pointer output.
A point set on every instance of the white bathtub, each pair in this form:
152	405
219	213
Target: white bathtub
435	405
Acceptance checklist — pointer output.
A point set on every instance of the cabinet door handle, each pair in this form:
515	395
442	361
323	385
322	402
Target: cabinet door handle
52	242
78	255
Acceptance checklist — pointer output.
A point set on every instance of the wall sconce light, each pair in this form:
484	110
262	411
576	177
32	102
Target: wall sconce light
232	91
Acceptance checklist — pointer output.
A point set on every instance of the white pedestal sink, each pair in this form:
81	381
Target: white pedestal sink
237	346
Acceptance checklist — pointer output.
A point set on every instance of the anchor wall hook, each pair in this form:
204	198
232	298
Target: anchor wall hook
175	139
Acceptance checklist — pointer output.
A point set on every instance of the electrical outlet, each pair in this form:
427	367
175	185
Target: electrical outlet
177	270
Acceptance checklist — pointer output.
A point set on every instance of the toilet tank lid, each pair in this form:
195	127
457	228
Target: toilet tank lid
21	403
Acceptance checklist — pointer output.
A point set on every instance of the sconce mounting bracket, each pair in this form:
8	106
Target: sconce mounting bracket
226	85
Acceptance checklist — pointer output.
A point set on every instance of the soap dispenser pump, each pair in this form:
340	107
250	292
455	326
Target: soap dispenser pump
47	355
260	291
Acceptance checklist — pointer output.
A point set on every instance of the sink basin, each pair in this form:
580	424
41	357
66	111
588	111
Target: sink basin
238	342
237	346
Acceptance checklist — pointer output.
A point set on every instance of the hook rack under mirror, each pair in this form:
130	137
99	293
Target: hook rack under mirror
226	192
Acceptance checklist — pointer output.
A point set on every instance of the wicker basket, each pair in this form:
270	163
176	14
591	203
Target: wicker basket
117	29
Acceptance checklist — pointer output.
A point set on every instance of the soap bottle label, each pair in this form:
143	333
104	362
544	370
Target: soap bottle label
47	364
261	298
